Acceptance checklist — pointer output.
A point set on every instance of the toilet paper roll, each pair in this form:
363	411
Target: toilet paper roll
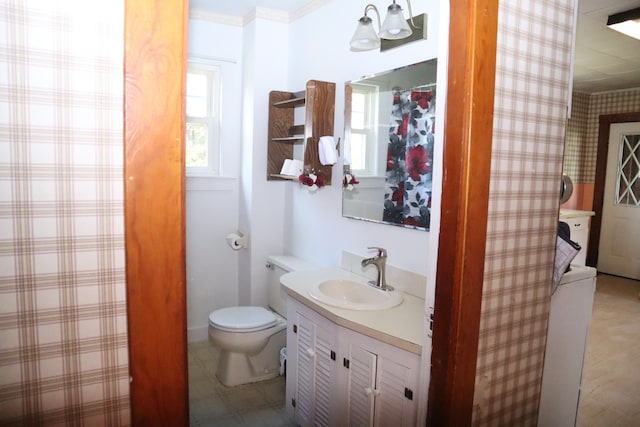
236	241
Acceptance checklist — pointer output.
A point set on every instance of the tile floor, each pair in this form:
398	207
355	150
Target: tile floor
213	404
610	395
610	386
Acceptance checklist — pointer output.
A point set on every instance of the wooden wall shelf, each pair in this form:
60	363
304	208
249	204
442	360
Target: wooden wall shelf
318	100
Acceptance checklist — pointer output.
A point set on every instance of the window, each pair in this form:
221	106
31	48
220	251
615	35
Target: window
363	130
203	119
629	171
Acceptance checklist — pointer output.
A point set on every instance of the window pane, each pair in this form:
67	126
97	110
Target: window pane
197	145
358	151
357	102
357	120
629	171
196	95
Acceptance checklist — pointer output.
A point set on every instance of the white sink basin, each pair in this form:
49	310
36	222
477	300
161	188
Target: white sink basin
354	295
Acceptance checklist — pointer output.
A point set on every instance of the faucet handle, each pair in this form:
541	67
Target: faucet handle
382	252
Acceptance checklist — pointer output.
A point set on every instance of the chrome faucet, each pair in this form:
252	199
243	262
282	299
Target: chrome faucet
380	261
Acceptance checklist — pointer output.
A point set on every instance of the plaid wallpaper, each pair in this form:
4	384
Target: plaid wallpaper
532	84
576	135
63	342
622	101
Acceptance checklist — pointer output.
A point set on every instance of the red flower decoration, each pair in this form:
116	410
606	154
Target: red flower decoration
422	98
416	163
402	128
389	160
311	180
398	195
412	221
349	181
306	180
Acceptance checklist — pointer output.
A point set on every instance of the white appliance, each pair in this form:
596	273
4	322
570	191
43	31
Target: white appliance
569	320
578	222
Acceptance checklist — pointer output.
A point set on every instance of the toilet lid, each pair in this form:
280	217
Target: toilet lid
244	319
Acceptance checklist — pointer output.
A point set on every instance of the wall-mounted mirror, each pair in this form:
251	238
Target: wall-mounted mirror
388	147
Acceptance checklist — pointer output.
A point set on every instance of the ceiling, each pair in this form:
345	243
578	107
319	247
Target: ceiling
604	59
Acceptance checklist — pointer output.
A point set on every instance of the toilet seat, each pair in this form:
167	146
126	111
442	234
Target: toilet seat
242	319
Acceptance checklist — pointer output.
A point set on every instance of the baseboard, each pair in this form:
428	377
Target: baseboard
198	333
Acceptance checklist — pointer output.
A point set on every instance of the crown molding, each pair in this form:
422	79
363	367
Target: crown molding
267	14
218	18
258	13
311	6
629	89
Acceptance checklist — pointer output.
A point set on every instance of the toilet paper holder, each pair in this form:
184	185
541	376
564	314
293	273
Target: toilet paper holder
237	240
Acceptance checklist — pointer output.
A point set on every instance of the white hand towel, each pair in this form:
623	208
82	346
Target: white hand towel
327	150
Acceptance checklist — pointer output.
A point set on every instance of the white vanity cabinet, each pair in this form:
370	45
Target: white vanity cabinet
381	380
339	377
311	366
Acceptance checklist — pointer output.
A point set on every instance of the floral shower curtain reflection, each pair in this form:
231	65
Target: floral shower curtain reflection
408	181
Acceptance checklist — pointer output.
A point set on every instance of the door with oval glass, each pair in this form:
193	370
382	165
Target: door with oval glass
619	250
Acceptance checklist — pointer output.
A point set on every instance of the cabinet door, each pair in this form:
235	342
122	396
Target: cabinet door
394	400
305	383
361	387
324	377
381	380
315	341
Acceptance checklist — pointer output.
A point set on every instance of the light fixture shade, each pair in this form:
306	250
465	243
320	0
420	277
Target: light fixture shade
395	25
627	23
365	37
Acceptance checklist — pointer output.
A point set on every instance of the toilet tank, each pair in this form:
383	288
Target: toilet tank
279	265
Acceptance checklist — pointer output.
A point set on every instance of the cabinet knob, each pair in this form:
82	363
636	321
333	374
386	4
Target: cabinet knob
310	352
371	391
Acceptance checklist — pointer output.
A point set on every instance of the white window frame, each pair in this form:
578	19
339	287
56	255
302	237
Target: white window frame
370	130
213	71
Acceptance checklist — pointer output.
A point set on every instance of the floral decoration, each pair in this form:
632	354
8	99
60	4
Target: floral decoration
349	181
311	180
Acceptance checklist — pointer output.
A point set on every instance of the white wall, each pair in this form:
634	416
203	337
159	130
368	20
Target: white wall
319	49
282	217
263	202
212	208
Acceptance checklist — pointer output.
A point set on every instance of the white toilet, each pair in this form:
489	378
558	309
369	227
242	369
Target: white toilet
250	338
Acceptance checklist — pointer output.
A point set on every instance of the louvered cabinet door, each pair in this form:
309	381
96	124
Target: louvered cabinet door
324	377
361	387
381	382
311	388
395	404
305	384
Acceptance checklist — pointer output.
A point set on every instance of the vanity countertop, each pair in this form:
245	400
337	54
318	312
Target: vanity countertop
401	326
573	213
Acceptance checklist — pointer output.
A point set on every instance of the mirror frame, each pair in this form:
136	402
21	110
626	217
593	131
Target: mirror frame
389	83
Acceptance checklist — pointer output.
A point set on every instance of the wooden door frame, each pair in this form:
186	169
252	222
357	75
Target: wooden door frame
155	61
155	69
605	122
466	171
